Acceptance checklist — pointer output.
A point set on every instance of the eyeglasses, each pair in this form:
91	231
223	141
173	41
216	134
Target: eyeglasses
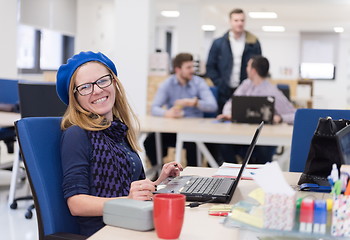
88	88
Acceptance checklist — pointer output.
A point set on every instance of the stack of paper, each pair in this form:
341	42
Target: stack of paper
232	170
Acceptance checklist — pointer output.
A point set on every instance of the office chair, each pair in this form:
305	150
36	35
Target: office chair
9	99
305	123
284	88
37	99
39	140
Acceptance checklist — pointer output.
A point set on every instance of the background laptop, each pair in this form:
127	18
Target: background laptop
210	189
253	109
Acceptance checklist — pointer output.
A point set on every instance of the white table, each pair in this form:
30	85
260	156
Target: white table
204	130
197	223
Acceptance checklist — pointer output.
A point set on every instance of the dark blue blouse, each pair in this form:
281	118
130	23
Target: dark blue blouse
76	155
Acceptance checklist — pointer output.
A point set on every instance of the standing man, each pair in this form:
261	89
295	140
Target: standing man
181	95
229	55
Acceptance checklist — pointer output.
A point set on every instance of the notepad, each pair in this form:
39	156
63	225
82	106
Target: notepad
232	170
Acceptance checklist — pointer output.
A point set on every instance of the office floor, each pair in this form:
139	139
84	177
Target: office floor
14	226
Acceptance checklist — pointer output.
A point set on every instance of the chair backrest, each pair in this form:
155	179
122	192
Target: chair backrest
214	91
39	99
8	91
305	123
39	140
284	88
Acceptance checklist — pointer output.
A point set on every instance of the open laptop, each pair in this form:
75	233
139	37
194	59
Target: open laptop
253	109
210	189
343	141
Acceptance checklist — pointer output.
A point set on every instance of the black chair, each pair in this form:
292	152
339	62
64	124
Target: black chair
39	99
305	123
39	140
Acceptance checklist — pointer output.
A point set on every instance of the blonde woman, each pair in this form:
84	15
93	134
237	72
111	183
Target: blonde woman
99	145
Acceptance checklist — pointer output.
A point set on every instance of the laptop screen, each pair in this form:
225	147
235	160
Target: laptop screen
343	137
249	152
253	109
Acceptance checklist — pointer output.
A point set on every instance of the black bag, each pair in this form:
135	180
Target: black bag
324	151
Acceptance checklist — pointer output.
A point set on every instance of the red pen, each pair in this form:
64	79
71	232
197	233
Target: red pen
218	213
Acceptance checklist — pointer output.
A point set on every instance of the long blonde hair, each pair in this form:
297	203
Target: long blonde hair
76	115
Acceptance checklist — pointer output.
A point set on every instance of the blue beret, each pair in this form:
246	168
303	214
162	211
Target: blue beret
66	71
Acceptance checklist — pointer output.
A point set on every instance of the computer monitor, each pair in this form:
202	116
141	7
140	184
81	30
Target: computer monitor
39	99
317	71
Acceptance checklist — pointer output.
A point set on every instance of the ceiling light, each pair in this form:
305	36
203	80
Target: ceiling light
170	14
261	15
208	28
338	29
273	29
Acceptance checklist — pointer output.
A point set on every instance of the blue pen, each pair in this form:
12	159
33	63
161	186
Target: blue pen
320	216
330	180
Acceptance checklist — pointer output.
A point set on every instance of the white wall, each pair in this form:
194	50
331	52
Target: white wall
125	31
122	30
8	44
282	50
58	15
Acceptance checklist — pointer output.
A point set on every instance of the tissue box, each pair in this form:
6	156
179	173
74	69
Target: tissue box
279	211
341	216
129	213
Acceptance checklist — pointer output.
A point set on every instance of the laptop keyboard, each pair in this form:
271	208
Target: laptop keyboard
202	185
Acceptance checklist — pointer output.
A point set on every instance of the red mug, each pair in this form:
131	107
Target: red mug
168	214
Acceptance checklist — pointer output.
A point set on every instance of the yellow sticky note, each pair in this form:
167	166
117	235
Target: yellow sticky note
258	194
254	220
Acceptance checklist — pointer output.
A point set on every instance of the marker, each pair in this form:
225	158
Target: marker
320	216
344	180
347	190
306	215
337	188
334	173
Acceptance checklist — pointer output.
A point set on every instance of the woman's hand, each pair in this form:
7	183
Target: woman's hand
142	190
171	169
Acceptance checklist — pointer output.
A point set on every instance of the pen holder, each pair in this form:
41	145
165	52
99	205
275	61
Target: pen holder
279	211
341	216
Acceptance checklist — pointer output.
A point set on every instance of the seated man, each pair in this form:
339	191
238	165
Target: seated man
182	95
257	85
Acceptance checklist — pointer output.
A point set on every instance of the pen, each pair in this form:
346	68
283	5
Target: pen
218	214
330	180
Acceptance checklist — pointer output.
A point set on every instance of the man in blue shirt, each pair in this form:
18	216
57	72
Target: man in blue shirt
181	95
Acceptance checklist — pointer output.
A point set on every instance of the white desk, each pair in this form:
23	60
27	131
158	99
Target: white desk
7	119
197	223
201	130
